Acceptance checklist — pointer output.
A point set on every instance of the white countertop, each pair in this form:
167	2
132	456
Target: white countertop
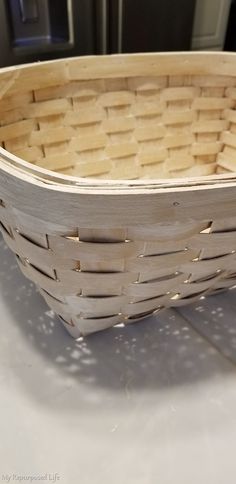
152	403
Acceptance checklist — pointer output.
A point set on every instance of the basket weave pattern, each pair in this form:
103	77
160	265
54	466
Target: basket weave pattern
133	127
123	128
99	278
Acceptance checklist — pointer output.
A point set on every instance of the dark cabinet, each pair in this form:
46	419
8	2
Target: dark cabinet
151	25
32	30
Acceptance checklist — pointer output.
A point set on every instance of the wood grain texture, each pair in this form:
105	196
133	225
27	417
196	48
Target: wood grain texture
117	182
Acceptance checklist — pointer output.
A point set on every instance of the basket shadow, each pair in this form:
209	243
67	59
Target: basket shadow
159	352
214	318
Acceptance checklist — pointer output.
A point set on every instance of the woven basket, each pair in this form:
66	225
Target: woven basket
126	201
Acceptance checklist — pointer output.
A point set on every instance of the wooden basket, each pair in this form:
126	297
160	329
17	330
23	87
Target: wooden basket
117	183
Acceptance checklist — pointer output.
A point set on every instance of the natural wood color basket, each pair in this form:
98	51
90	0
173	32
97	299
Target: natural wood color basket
140	211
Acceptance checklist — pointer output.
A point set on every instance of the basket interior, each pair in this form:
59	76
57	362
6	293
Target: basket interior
135	127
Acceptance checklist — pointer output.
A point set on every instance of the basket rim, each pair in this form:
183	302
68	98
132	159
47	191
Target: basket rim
22	169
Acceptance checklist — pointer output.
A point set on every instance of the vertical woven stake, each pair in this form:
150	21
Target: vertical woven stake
117	182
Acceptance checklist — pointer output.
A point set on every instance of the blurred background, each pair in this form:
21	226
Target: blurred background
32	30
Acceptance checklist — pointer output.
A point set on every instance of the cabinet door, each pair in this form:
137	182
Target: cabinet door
210	23
150	25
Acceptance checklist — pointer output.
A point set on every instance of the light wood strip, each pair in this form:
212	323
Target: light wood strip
51	136
87	142
177	93
15	130
213	103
